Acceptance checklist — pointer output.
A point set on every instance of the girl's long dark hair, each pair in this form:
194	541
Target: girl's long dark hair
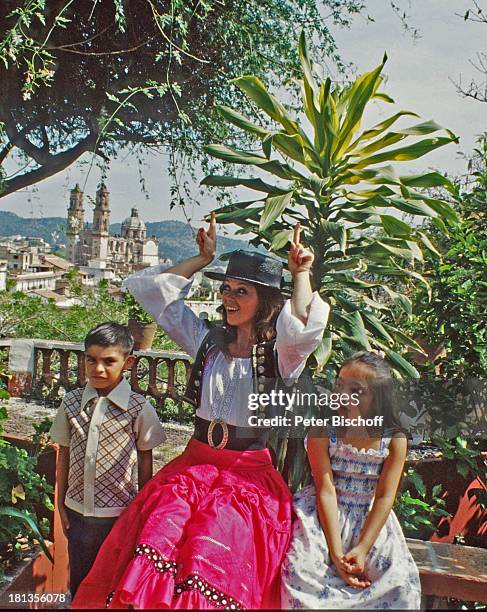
270	305
385	401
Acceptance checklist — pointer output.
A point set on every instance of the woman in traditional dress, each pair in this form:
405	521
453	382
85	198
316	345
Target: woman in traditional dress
211	529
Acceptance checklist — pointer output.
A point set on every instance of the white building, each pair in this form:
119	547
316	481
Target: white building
26	281
3	275
95	248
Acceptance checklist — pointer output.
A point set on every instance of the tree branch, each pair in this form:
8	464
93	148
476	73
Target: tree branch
102	53
5	151
21	142
54	164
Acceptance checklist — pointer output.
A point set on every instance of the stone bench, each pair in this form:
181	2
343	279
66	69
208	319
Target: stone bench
450	570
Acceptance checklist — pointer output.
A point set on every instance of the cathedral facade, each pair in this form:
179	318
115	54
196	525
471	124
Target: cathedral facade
95	248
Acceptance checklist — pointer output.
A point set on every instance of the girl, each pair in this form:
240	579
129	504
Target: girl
348	550
211	529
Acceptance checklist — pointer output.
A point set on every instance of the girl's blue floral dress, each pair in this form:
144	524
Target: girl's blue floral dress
310	580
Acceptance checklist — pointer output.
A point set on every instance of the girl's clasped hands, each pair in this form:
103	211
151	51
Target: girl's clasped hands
351	567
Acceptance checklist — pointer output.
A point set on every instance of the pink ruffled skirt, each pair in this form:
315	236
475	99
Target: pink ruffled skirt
209	531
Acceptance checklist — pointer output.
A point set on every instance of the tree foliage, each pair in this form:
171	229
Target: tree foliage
84	76
454	314
334	182
26	316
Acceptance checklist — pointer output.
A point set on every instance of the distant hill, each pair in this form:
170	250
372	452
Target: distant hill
176	240
11	224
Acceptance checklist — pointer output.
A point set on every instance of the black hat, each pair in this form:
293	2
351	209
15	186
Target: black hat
253	268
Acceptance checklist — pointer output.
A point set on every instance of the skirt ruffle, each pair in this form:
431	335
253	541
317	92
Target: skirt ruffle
210	530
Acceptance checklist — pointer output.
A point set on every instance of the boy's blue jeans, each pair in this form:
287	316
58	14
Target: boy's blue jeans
86	534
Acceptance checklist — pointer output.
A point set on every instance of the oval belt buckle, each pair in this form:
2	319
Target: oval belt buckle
211	427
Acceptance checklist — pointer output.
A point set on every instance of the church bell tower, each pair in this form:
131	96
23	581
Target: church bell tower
76	219
101	224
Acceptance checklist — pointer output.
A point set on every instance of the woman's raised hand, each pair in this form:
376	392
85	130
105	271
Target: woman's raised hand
206	240
300	259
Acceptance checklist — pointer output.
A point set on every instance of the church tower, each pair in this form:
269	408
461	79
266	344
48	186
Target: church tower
101	224
76	220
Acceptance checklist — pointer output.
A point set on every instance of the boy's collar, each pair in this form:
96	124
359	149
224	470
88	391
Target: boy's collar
119	396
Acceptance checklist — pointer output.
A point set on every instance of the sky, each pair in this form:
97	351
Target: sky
419	76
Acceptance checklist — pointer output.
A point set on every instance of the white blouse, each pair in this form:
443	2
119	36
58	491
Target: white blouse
227	382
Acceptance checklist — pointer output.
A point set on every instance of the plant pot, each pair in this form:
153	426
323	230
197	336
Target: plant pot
143	334
36	573
31	584
467	516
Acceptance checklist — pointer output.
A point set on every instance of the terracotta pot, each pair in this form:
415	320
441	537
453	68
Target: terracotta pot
143	334
467	516
36	574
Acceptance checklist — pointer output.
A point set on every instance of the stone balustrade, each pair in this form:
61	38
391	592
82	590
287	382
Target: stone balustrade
45	370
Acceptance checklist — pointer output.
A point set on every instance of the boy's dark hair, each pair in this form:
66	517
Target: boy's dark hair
383	385
110	334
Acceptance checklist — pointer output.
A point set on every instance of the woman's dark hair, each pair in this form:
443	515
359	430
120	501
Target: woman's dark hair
383	386
270	305
110	334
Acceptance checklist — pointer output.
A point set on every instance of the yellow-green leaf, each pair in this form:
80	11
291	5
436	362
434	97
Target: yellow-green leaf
413	151
394	226
18	492
323	352
241	121
280	239
274	207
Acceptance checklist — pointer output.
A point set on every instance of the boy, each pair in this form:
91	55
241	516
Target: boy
104	431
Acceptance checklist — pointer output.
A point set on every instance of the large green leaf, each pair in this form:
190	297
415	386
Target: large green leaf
235	156
337	231
439	206
306	64
392	137
379	251
241	121
289	145
357	329
323	352
428	244
412	207
400	299
394	226
359	94
239	211
342	264
400	364
254	88
408	153
215	180
375	325
273	208
24	517
429	179
384	175
405	339
384	142
379	128
280	239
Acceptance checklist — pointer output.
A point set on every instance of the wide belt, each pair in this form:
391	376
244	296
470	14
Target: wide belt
218	434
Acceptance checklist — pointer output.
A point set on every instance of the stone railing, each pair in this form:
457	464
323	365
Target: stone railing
45	370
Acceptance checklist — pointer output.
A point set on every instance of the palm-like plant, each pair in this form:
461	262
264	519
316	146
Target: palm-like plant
334	182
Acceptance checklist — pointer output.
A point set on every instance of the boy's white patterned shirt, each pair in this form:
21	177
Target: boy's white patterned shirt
104	435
